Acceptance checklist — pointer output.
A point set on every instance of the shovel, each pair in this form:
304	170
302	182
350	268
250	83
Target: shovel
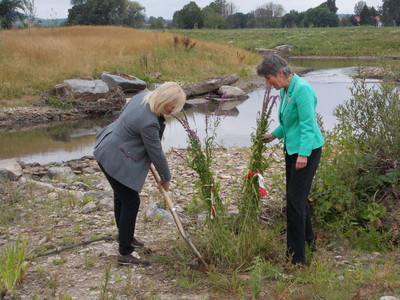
177	219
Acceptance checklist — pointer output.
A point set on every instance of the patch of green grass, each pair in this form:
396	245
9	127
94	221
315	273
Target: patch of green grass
12	265
362	40
59	103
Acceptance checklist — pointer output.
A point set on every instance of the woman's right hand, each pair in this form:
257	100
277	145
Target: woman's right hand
164	185
267	137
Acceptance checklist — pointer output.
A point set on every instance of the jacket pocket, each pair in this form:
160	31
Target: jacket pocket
134	154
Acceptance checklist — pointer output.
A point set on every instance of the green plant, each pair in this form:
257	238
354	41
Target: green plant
256	276
59	103
12	265
87	198
227	282
358	181
199	157
53	283
105	284
369	239
59	261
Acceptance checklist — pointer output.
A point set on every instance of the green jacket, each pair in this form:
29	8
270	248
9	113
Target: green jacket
298	123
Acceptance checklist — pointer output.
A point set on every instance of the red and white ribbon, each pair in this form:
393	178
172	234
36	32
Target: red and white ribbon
263	190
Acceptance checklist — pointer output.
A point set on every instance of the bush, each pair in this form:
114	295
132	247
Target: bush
358	183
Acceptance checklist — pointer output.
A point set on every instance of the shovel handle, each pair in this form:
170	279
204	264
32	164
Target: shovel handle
175	215
163	191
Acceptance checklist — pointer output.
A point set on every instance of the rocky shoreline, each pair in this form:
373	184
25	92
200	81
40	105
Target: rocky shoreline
41	113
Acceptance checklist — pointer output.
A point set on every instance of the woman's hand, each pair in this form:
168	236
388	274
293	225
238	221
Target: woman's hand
301	162
267	137
164	185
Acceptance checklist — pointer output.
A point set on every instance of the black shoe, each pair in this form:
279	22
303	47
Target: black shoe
130	260
135	242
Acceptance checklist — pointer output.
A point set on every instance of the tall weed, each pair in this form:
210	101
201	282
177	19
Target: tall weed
12	265
358	181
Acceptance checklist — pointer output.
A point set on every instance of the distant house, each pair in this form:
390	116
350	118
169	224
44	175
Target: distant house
352	19
378	20
355	20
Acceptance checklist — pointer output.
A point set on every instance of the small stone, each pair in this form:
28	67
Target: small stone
89	208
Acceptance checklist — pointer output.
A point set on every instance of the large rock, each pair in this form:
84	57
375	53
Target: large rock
88	88
128	83
61	172
230	91
154	212
10	169
209	85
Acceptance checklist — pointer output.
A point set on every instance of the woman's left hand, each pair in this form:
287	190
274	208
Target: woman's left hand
301	162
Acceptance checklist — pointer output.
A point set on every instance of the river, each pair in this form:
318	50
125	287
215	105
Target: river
74	140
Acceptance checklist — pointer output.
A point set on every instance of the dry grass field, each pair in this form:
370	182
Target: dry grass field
33	61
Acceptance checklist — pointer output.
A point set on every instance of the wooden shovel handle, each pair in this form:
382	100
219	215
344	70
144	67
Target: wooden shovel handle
176	217
163	191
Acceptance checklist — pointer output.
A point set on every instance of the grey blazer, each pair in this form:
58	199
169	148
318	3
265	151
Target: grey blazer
128	146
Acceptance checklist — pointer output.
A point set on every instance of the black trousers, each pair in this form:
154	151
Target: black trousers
126	207
298	185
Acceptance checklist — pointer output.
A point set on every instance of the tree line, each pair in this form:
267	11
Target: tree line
219	14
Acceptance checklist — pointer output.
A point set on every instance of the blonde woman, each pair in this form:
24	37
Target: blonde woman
126	148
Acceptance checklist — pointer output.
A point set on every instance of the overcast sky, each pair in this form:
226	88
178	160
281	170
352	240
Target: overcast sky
51	9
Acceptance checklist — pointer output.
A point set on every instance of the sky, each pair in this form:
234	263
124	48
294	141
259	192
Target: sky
52	9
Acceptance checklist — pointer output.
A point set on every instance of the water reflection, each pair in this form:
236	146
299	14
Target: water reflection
339	63
74	140
61	142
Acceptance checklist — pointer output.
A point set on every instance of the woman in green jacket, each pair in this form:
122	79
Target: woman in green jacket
302	144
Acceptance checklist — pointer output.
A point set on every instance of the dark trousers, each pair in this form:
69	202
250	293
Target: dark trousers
126	207
298	185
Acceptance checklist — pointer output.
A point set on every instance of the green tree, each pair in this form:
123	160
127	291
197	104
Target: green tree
292	19
391	12
156	23
217	6
223	7
214	20
105	12
133	15
320	17
359	7
237	21
189	17
365	16
9	13
329	4
268	15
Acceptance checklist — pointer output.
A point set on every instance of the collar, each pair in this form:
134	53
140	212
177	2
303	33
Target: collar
292	84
